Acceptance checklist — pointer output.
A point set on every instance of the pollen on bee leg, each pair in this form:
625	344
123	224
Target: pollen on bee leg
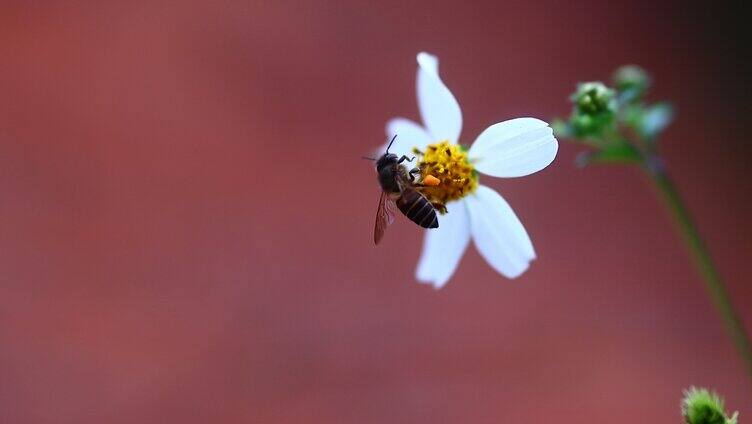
430	180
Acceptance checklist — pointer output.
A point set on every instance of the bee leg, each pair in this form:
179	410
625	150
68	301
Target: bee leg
404	158
412	173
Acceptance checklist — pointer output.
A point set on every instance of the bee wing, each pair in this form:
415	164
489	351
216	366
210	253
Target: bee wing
384	216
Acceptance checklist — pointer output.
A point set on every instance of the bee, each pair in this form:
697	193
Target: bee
399	188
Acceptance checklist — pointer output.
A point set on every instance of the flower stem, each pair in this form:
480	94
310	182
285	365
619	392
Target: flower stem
710	276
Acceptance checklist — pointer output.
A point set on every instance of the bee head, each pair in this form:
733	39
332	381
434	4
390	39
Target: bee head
385	160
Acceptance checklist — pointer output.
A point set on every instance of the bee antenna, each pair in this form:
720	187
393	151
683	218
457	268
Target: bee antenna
366	157
390	143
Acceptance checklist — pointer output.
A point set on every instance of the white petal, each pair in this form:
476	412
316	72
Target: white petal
439	109
514	148
498	233
409	134
443	247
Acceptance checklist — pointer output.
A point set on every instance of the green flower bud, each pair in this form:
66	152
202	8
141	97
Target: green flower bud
700	406
593	98
584	124
631	78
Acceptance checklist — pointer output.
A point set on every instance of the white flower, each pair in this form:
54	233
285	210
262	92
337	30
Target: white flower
511	148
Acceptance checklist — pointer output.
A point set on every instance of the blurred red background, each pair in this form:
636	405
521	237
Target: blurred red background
185	223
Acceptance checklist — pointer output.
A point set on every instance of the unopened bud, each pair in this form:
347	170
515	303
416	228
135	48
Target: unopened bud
631	78
594	98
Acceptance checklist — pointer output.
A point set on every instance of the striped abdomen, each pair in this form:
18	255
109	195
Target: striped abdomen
416	207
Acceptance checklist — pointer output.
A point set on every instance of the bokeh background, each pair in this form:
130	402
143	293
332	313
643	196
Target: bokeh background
185	223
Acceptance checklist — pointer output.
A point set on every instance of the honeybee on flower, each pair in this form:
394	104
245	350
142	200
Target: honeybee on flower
448	177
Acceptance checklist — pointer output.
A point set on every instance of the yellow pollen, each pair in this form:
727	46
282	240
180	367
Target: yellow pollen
449	164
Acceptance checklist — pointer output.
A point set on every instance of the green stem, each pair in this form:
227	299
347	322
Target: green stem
710	276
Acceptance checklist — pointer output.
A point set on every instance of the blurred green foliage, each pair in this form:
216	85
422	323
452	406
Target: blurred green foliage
700	406
616	122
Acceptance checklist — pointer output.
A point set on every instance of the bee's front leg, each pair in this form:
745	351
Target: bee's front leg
412	173
404	158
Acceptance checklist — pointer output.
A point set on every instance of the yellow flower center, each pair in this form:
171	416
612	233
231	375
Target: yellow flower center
449	164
